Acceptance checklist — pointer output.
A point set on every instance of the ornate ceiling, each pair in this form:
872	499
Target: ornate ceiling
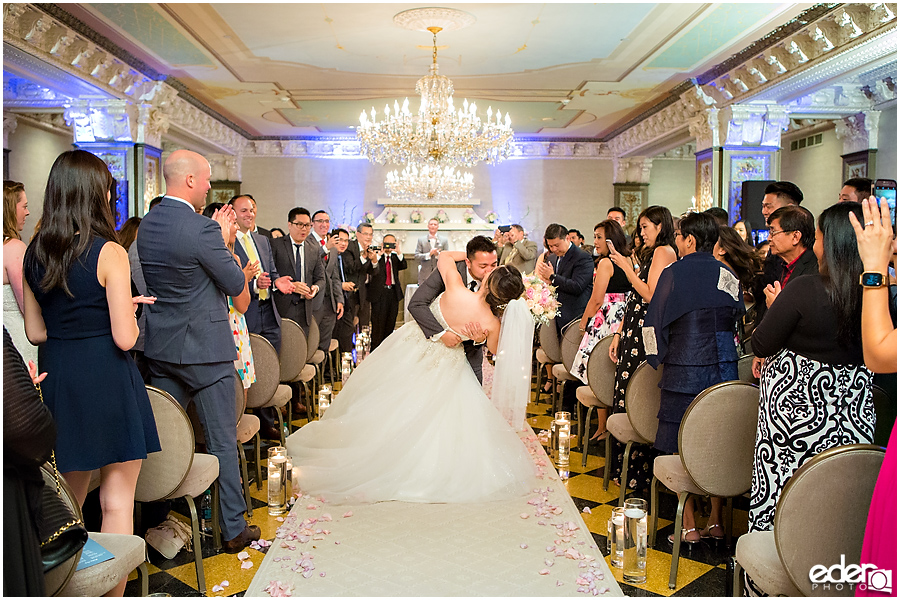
578	80
560	70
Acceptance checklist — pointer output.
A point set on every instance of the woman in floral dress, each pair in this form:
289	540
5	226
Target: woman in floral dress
606	308
657	231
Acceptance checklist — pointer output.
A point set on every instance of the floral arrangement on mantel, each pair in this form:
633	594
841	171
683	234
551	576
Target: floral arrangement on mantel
369	217
391	216
491	217
415	216
541	299
469	215
441	216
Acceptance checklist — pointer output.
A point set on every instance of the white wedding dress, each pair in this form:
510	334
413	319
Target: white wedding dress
412	424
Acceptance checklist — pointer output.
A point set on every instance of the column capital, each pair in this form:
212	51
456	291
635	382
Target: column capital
858	132
633	169
10	122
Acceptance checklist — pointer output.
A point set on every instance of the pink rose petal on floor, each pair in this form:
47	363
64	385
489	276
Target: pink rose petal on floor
311	507
349	513
325	517
523	515
603	590
224	583
585	509
322	574
243	555
544	572
247	564
558	582
548	562
523	546
281	519
219	588
338	543
307	574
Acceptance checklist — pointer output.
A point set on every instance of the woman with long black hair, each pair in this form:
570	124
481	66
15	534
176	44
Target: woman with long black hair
815	390
657	230
78	306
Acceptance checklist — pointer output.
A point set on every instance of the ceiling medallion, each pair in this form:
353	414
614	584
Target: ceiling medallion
420	19
439	134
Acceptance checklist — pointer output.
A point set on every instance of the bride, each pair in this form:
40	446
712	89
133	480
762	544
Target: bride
412	422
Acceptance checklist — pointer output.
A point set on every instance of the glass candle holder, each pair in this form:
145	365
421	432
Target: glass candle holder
615	538
634	569
277	480
560	430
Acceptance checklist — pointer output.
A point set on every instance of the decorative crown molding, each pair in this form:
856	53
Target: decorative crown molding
842	38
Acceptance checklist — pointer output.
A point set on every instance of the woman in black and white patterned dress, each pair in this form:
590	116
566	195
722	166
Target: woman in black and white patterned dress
815	391
657	229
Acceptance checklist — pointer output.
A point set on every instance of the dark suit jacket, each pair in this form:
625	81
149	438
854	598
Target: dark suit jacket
263	232
288	304
419	308
377	276
573	279
190	271
332	290
267	264
361	274
352	271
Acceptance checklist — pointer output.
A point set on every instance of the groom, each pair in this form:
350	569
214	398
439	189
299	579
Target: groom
481	259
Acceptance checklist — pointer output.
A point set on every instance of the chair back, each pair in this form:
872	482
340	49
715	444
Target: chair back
293	350
745	369
601	372
163	472
313	342
549	341
571	339
718	436
822	513
642	401
268	371
56	579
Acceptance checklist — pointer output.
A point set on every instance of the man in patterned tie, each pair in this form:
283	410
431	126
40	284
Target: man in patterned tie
262	314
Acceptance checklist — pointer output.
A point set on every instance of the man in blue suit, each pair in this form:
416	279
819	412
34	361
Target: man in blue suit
570	269
189	345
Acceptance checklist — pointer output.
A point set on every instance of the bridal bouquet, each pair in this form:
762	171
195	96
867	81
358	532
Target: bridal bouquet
541	299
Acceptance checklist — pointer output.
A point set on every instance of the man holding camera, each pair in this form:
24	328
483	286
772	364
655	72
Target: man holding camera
384	289
517	251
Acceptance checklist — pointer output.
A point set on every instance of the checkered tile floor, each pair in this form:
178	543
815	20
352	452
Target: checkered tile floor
701	570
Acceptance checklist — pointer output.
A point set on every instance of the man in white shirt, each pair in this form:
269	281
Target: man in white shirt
360	250
427	249
332	306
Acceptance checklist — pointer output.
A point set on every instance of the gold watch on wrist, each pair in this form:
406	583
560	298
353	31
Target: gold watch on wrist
872	279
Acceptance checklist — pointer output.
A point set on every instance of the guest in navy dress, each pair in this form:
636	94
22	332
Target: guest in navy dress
690	330
79	308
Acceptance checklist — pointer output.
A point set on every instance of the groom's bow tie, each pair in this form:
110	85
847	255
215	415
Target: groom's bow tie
472	285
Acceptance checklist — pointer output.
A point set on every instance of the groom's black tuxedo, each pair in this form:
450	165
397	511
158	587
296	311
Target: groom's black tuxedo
419	308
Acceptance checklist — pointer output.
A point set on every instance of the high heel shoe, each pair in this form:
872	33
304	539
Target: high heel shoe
599	436
706	533
684	539
547	387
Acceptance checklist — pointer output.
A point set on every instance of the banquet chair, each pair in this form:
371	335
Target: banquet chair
745	369
334	357
247	429
178	472
598	393
129	553
314	356
638	424
819	519
547	354
568	348
716	441
267	392
293	365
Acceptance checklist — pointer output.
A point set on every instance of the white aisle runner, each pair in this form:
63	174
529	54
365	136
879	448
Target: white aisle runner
536	545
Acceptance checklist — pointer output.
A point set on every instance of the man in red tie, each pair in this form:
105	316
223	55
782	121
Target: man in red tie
384	289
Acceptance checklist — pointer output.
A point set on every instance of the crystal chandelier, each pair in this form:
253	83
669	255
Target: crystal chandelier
439	133
429	183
